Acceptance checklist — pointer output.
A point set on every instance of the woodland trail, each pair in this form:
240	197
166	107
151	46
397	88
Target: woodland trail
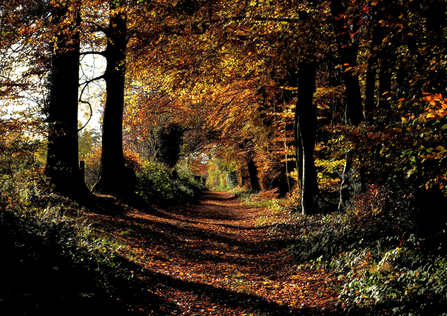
214	257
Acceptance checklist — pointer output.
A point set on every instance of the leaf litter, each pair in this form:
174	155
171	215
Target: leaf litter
212	257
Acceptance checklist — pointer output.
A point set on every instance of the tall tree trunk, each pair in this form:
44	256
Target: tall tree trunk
291	80
348	48
244	177
305	136
114	178
62	166
305	131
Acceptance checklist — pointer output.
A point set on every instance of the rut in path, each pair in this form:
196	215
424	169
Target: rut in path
214	257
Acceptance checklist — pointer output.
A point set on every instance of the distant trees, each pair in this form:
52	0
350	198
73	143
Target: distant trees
321	64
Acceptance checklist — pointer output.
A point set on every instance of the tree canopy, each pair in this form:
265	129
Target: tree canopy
287	91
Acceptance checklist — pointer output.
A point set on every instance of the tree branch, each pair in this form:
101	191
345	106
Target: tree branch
93	53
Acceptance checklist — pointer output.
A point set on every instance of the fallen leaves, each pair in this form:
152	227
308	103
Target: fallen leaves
213	258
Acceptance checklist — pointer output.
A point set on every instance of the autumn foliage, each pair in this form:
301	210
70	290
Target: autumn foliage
330	116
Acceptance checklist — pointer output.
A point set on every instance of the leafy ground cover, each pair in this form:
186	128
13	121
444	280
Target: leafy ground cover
385	260
53	263
214	258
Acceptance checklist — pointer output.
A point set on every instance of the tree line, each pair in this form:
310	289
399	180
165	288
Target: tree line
304	97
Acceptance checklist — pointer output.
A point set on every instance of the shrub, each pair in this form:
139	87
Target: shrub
382	266
379	214
20	167
158	184
58	261
405	281
53	257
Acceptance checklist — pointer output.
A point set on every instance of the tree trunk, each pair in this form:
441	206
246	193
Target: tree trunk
253	173
291	80
348	48
244	177
305	136
114	178
62	166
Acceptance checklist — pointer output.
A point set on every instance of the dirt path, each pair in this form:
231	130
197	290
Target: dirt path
214	257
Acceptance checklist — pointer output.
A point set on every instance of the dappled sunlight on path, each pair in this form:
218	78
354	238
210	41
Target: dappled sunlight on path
213	257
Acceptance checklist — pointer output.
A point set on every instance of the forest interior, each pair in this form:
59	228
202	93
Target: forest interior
223	157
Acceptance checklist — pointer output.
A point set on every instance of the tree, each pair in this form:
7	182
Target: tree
114	177
169	139
346	28
62	167
87	142
306	116
305	133
227	64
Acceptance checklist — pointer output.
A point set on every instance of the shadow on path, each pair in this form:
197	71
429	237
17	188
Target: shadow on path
211	257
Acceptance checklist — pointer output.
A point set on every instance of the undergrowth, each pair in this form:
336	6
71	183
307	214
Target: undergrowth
53	261
161	185
54	258
382	264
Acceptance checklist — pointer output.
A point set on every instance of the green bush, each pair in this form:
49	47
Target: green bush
158	184
405	281
378	216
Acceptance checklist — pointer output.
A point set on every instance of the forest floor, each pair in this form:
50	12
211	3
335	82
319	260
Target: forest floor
216	256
